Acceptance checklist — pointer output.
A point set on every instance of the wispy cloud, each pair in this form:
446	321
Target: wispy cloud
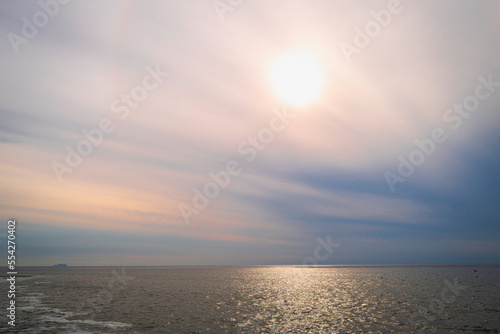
322	175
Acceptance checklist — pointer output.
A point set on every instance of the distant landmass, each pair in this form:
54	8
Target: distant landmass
60	265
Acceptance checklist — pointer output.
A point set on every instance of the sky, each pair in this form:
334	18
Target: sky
118	116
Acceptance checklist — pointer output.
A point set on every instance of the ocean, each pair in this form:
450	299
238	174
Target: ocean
256	299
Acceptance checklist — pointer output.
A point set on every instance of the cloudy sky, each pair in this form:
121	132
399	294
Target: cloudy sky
172	91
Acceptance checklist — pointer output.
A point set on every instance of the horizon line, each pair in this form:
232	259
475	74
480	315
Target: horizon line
270	265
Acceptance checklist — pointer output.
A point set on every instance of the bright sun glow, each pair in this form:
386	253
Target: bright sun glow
297	78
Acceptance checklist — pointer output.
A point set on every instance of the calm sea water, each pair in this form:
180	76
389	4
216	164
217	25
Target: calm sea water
279	299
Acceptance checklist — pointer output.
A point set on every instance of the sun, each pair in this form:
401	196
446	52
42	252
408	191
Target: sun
297	78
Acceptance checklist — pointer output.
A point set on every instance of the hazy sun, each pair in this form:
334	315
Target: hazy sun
296	78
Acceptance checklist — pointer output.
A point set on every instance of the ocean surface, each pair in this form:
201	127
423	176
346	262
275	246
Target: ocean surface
256	299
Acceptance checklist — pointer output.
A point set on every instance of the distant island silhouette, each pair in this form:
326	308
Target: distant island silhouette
60	265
